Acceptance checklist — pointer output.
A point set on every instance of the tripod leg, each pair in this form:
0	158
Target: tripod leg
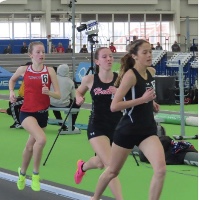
58	133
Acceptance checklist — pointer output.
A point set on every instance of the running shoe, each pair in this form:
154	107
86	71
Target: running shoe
21	182
35	183
79	173
16	125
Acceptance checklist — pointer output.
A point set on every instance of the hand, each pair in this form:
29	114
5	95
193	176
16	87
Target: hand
113	89
149	95
12	96
156	107
45	90
80	100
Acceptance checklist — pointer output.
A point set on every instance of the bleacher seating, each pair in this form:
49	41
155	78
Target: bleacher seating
184	58
16	44
12	61
157	55
194	63
158	61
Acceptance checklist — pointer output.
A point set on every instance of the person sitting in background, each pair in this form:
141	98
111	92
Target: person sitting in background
69	49
158	47
67	90
175	47
53	49
24	48
152	47
83	49
8	50
194	47
14	108
112	48
60	48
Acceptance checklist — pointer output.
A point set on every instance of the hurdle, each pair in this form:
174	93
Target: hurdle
69	120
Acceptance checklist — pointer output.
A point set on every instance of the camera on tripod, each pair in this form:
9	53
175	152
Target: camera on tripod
91	38
92	30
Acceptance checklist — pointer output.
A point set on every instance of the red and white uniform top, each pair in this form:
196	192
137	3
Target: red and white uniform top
34	100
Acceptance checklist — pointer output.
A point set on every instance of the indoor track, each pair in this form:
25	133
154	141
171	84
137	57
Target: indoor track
49	190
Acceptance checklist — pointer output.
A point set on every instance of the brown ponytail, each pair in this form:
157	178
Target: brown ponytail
127	62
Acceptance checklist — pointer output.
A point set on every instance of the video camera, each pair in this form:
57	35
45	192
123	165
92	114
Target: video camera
91	28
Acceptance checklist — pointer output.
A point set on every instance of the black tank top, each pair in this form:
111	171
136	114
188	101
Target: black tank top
140	116
101	116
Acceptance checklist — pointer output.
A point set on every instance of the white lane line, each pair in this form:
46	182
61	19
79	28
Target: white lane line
48	188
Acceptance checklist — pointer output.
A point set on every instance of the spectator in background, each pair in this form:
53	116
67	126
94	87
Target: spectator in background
67	90
112	48
129	46
24	48
152	47
53	49
158	47
69	49
8	50
175	47
194	47
60	48
83	49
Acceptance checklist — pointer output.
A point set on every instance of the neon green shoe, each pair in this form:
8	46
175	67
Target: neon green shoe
21	182
35	183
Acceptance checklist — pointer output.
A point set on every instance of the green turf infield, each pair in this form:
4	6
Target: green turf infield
181	180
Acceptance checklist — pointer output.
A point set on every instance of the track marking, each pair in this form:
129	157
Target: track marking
48	188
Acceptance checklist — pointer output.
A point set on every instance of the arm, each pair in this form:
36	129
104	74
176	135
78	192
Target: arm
86	84
19	72
72	94
156	106
128	81
56	93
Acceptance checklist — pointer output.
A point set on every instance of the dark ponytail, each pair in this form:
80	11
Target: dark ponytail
127	62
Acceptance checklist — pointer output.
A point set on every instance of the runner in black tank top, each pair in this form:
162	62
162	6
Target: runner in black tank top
102	121
135	116
135	95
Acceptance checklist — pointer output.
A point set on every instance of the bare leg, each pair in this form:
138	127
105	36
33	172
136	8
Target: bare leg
154	152
27	154
109	176
93	163
34	145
